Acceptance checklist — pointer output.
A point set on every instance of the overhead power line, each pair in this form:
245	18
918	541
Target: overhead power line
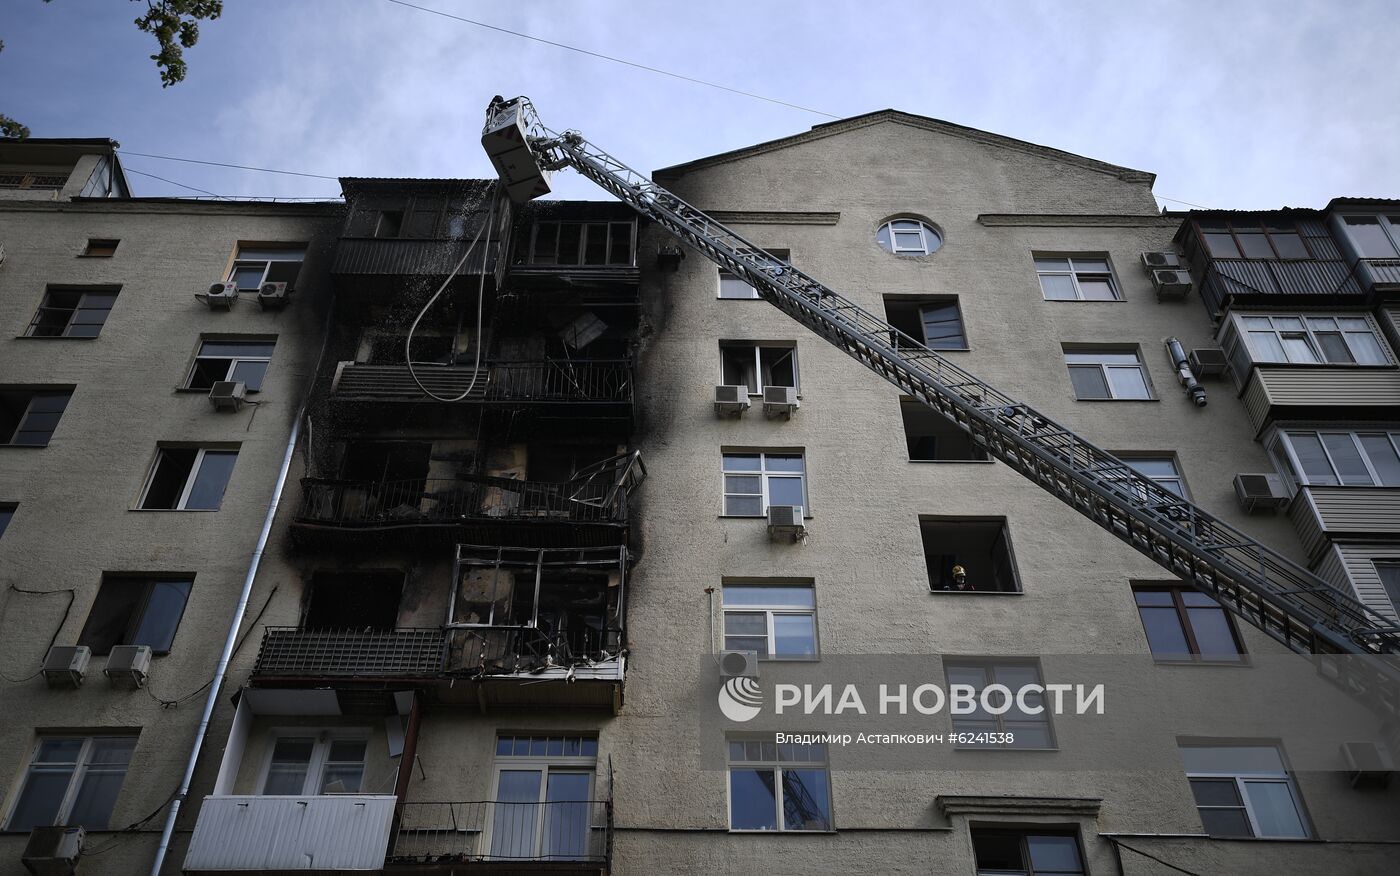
222	164
591	54
171	181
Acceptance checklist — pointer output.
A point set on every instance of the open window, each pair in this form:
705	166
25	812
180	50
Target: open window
969	556
931	438
933	320
365	600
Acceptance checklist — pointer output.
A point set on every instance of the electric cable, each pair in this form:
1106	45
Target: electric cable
72	596
171	181
1123	845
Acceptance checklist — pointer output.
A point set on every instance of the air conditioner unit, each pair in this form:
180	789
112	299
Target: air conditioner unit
128	666
1257	492
738	664
273	296
227	395
1171	284
779	400
1368	765
221	296
785	520
53	851
65	665
731	400
1208	362
1153	260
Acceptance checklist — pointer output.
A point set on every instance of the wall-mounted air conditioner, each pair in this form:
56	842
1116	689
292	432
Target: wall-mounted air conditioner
738	664
1171	284
779	401
1154	260
1258	492
785	520
1368	765
65	665
128	666
227	395
221	296
1208	362
731	400
273	296
53	851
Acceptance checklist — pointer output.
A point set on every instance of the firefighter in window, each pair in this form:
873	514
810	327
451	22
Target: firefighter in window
957	580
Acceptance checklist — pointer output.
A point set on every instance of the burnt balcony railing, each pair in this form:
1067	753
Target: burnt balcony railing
592	654
560	832
429	501
370	256
552	381
293	652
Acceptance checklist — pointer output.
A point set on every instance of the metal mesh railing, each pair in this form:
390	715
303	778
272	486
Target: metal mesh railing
503	830
289	651
502	650
428	501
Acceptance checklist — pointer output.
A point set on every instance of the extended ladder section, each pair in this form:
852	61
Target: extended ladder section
1265	589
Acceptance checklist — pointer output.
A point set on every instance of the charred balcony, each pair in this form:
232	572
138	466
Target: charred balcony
574	245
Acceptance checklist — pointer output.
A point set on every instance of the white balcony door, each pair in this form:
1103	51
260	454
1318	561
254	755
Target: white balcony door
541	813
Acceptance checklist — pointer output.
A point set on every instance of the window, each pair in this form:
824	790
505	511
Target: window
908	237
1375	237
136	610
1244	791
778	620
753	481
1337	458
968	556
1161	469
363	600
188	479
733	286
934	321
1388	571
326	763
544	792
28	417
1078	278
72	780
71	313
1184	624
243	360
778	786
1301	340
7	513
931	438
1107	374
100	248
1029	728
581	243
1273	239
255	266
1026	852
758	365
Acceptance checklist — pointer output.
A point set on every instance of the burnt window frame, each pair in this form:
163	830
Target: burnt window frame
530	258
1183	618
1263	226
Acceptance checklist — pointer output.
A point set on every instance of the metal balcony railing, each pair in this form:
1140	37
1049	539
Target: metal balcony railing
508	650
293	652
558	831
551	381
429	501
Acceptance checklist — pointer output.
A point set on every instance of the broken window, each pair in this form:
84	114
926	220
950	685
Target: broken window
758	365
560	463
241	360
72	313
358	601
581	243
28	417
255	266
968	556
932	320
931	438
188	479
136	610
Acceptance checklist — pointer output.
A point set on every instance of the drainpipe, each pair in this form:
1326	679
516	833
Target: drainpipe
1183	372
229	641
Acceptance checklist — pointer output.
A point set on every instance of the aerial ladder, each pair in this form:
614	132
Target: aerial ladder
1351	645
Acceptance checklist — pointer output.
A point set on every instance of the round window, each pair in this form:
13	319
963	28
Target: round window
908	237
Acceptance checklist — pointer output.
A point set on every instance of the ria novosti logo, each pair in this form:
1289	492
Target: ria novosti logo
741	699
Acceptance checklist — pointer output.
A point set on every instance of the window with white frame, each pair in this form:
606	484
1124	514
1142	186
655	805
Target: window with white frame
753	480
908	237
1026	721
1076	278
1298	339
1326	457
301	764
256	265
188	479
231	359
778	786
733	286
758	365
776	619
543	798
1244	791
1375	236
1107	374
72	780
1159	468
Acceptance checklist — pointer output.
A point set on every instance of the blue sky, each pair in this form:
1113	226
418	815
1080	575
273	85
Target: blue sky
1239	104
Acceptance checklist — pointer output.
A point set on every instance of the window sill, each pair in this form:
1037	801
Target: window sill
1125	400
1000	748
53	338
782	832
816	659
954	461
977	593
1084	301
26	446
1242	663
194	390
753	517
174	510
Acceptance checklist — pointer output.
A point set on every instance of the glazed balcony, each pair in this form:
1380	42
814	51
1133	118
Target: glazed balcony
499	836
